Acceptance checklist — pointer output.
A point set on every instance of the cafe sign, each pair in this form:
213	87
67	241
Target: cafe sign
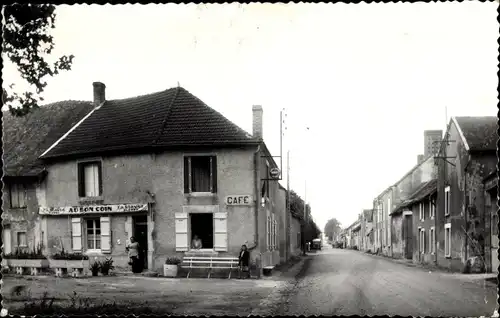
239	200
93	209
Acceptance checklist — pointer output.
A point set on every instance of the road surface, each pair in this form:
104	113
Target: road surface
348	282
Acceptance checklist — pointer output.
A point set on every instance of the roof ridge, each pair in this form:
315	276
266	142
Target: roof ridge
169	110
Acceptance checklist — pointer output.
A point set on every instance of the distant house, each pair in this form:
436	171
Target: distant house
161	167
367	236
24	140
467	156
413	221
381	206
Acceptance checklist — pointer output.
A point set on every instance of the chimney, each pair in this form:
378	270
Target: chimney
257	121
99	93
420	158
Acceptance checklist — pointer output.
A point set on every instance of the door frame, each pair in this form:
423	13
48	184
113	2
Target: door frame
190	236
147	226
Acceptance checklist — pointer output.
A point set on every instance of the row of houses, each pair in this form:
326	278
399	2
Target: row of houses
163	167
444	210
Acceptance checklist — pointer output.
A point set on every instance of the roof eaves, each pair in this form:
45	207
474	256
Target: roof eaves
44	154
461	133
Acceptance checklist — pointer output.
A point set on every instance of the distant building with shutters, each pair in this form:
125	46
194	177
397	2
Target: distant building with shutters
161	167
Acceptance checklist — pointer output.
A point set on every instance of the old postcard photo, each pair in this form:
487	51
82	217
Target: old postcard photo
250	159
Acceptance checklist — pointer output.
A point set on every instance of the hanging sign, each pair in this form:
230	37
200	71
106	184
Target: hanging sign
274	173
93	209
239	200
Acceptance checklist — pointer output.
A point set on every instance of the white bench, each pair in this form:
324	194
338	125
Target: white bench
210	262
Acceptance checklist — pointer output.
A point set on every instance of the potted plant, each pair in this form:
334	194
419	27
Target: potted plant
171	267
24	258
106	266
67	260
94	268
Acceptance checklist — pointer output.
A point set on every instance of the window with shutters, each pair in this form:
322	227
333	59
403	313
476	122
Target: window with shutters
200	174
93	231
17	195
90	179
21	239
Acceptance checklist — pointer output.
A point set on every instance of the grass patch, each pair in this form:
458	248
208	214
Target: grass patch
47	305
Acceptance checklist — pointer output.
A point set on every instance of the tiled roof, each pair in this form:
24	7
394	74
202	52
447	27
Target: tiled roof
422	191
26	138
480	132
173	117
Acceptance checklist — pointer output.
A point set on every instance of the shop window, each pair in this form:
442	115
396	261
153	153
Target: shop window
200	174
447	240
21	239
93	234
90	179
17	195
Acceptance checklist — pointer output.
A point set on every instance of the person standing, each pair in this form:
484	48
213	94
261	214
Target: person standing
133	253
243	261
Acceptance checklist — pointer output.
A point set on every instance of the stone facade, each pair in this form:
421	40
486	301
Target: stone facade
460	180
20	219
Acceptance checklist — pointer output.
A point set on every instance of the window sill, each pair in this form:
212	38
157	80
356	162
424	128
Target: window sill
201	194
18	208
94	253
447	256
22	246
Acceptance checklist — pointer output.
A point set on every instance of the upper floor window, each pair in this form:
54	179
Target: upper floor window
90	179
200	174
421	211
21	239
17	195
447	197
432	208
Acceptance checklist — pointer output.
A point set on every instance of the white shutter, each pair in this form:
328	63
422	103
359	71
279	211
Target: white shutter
76	234
181	232
220	231
105	234
7	241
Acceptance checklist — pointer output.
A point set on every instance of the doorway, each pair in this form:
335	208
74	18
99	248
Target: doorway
408	235
202	225
140	230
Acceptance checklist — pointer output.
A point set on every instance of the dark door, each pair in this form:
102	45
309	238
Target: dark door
408	232
141	236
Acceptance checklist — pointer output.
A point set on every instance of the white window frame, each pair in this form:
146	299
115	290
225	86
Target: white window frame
432	240
447	240
389	206
447	197
93	250
421	242
25	238
421	212
432	208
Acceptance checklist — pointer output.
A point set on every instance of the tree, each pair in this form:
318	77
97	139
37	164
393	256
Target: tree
332	228
310	228
27	43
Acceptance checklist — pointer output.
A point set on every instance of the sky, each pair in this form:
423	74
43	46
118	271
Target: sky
359	82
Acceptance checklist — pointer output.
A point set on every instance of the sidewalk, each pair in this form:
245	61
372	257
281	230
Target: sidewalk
487	278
